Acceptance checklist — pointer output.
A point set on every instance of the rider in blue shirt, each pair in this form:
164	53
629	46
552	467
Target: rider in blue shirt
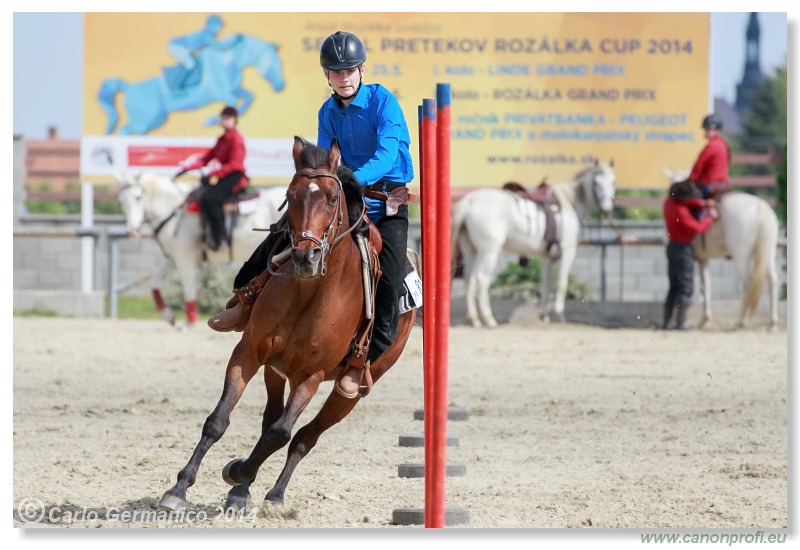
373	136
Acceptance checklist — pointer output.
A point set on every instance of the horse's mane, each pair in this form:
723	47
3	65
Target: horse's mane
316	157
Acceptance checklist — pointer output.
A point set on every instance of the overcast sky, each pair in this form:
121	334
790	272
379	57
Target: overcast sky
48	61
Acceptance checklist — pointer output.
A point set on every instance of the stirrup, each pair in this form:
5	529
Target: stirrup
363	390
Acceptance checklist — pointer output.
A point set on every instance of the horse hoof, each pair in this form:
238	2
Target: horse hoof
237	503
171	503
226	473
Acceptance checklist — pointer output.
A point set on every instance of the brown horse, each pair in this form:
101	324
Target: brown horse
301	328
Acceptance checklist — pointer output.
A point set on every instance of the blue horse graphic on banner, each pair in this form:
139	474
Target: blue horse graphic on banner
215	75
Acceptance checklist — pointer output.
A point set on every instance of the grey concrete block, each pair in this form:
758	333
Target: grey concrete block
416	516
418	470
418	440
453	413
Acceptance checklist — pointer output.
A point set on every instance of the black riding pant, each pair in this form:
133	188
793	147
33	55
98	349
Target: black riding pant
681	280
394	232
211	202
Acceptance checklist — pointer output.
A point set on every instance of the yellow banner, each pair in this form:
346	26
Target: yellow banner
534	95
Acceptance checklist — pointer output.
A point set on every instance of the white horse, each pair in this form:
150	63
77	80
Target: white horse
161	203
487	221
746	232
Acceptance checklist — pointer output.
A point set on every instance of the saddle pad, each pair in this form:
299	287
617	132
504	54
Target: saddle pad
248	206
412	286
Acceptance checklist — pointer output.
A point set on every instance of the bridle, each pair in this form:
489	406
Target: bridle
333	226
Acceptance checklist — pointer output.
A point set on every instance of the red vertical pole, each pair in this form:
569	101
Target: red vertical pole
428	228
434	505
439	428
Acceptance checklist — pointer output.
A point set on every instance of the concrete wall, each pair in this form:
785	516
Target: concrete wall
633	273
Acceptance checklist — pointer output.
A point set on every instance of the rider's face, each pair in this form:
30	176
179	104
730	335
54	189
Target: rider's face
227	122
345	82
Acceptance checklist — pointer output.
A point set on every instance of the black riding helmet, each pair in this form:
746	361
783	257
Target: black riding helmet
712	122
342	50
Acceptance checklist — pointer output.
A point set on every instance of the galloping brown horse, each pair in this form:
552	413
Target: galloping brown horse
301	328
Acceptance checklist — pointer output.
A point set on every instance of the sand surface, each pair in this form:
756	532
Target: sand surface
569	426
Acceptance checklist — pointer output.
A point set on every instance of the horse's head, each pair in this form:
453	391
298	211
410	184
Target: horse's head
316	206
130	197
603	183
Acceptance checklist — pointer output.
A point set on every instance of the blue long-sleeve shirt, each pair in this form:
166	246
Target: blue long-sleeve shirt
373	137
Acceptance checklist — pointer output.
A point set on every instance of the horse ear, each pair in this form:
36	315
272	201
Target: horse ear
611	163
333	156
297	149
596	162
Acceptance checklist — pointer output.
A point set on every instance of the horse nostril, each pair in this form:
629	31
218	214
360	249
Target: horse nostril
297	255
313	255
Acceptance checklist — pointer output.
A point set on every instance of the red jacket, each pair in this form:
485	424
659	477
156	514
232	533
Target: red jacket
712	164
682	227
229	152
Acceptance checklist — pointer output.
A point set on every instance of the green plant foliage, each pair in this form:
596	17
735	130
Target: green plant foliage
523	282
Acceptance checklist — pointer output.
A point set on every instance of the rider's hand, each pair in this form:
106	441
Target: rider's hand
213	180
714	213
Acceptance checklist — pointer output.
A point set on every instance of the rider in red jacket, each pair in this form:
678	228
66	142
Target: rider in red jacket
229	152
710	170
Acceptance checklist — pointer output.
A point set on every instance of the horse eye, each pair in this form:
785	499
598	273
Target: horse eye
333	201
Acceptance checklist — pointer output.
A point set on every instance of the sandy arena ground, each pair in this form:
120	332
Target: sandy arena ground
569	426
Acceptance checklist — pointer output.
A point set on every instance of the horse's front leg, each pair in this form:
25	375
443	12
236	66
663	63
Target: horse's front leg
187	271
705	290
239	495
564	265
277	434
241	368
155	281
545	273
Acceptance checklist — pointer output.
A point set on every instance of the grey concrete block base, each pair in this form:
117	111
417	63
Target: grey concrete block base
418	440
416	516
416	469
455	414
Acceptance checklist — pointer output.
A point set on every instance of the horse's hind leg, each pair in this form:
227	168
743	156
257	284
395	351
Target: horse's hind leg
485	263
705	290
333	411
241	368
276	435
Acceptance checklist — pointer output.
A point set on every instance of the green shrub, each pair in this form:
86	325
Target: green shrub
523	282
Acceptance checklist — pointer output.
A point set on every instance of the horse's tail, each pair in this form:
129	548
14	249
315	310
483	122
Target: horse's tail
458	216
763	257
107	96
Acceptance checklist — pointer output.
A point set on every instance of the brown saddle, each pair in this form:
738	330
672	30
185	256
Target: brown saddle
545	198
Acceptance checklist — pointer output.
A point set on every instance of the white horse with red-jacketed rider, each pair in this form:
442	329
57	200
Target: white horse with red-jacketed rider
161	202
747	233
